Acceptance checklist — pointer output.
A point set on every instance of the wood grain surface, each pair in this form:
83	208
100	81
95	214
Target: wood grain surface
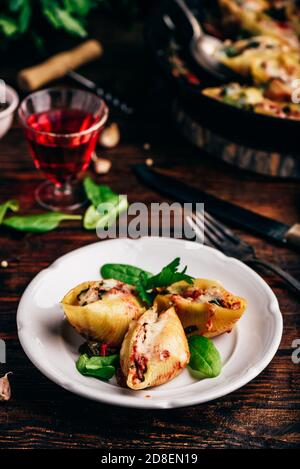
263	414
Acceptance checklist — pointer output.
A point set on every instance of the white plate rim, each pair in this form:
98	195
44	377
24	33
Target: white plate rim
84	391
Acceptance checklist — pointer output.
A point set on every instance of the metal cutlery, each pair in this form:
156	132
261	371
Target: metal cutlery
219	236
263	226
110	98
202	46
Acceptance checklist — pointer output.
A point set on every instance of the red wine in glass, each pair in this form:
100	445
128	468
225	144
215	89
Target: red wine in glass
60	158
62	126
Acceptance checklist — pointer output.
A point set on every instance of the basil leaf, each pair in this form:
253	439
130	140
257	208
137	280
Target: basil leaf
205	359
95	219
98	193
123	272
97	362
40	223
8	205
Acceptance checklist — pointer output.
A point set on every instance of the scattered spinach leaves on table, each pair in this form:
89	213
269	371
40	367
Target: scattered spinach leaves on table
93	217
98	193
11	204
112	205
146	282
205	360
39	223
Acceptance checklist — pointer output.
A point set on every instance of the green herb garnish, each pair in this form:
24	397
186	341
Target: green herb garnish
205	359
145	282
97	367
123	272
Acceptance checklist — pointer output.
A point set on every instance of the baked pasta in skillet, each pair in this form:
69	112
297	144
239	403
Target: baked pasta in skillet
266	58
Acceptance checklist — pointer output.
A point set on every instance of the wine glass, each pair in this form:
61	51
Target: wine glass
62	126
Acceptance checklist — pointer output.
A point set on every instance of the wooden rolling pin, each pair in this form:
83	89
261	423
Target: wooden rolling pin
58	65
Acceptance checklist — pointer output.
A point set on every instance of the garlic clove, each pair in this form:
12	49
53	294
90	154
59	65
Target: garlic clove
5	391
101	165
110	136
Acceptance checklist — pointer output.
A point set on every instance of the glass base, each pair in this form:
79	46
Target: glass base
60	199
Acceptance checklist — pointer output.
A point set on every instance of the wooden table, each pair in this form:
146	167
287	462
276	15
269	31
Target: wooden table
264	413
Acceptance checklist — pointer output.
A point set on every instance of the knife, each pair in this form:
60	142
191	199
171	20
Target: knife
107	96
227	211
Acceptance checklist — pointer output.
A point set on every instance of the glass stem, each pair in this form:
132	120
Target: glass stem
63	189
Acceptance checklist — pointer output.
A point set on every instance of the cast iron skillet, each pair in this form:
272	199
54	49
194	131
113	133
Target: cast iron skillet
239	125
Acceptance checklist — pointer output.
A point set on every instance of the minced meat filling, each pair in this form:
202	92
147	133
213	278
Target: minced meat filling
98	289
212	296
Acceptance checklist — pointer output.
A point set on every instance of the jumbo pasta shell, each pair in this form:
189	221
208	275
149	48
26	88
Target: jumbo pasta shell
104	320
202	315
154	350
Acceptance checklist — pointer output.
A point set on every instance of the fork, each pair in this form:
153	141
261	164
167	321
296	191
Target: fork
219	236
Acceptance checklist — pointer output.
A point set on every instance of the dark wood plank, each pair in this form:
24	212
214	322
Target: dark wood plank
263	414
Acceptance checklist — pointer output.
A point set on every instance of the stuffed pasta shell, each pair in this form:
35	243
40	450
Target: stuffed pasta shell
102	310
154	350
204	307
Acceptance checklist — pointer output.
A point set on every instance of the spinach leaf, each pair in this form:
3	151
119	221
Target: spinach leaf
205	359
24	16
60	18
8	205
69	23
81	362
105	372
96	219
98	193
97	367
79	7
90	218
15	5
39	223
146	282
98	362
123	272
8	26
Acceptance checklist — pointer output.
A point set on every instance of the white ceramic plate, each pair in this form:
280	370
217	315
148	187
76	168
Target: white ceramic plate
52	345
